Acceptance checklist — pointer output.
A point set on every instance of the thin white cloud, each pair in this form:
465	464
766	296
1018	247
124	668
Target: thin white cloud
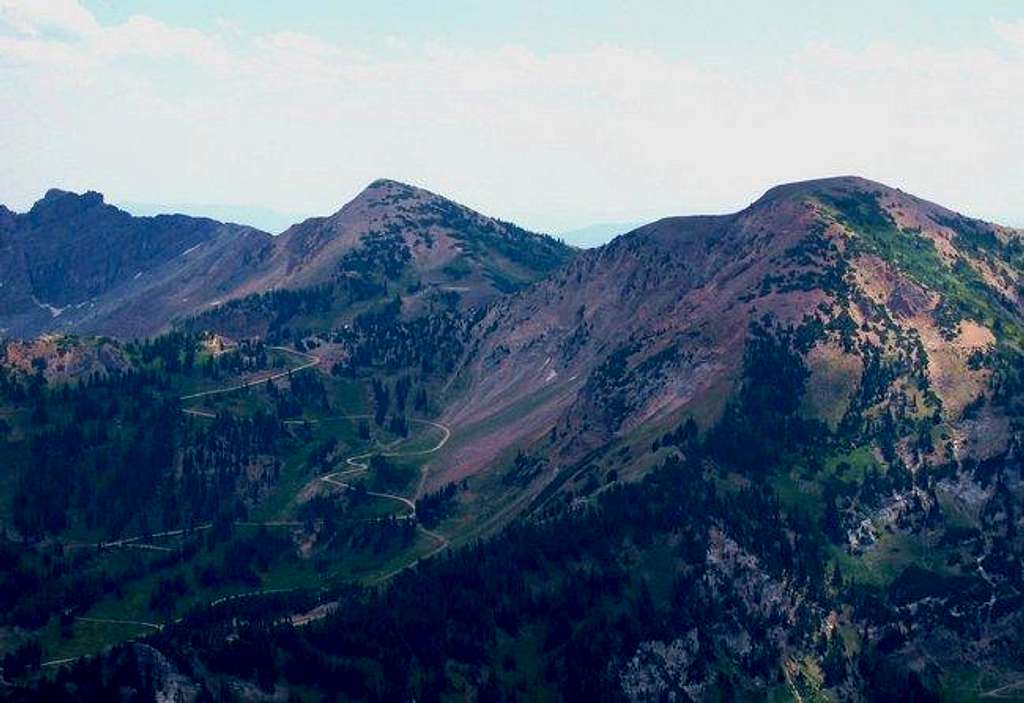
148	111
59	33
1011	32
146	37
36	17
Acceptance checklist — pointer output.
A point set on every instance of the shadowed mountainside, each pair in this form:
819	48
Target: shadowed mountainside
76	264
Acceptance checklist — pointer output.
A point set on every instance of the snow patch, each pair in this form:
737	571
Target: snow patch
191	249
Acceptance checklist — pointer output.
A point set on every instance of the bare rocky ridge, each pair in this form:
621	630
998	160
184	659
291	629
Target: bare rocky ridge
627	337
76	264
391	224
63	358
652	326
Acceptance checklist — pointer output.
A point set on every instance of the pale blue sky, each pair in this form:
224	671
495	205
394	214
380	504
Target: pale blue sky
556	115
714	30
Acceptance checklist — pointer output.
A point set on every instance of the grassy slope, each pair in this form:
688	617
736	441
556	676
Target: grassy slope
326	566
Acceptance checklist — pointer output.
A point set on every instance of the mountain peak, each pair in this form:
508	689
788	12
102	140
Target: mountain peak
384	196
387	183
833	185
378	193
57	203
393	229
89	197
392	191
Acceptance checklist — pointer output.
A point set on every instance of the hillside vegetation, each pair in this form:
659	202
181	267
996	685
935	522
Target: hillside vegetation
775	454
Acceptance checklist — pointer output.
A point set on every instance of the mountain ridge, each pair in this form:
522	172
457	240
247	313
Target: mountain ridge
45	296
77	263
771	452
678	296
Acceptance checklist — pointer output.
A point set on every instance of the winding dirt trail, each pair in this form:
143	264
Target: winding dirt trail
1011	691
357	462
359	465
155	626
141	541
310	363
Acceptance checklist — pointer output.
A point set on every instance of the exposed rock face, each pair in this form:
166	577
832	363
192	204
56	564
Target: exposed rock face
73	263
909	299
64	358
661	670
676	670
396	229
654	324
169	684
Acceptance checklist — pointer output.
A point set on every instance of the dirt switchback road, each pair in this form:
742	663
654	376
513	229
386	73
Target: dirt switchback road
360	466
311	361
357	462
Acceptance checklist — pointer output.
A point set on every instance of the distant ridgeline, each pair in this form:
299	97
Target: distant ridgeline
74	264
774	455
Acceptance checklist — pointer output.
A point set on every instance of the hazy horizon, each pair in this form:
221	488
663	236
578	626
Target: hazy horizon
671	108
585	235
